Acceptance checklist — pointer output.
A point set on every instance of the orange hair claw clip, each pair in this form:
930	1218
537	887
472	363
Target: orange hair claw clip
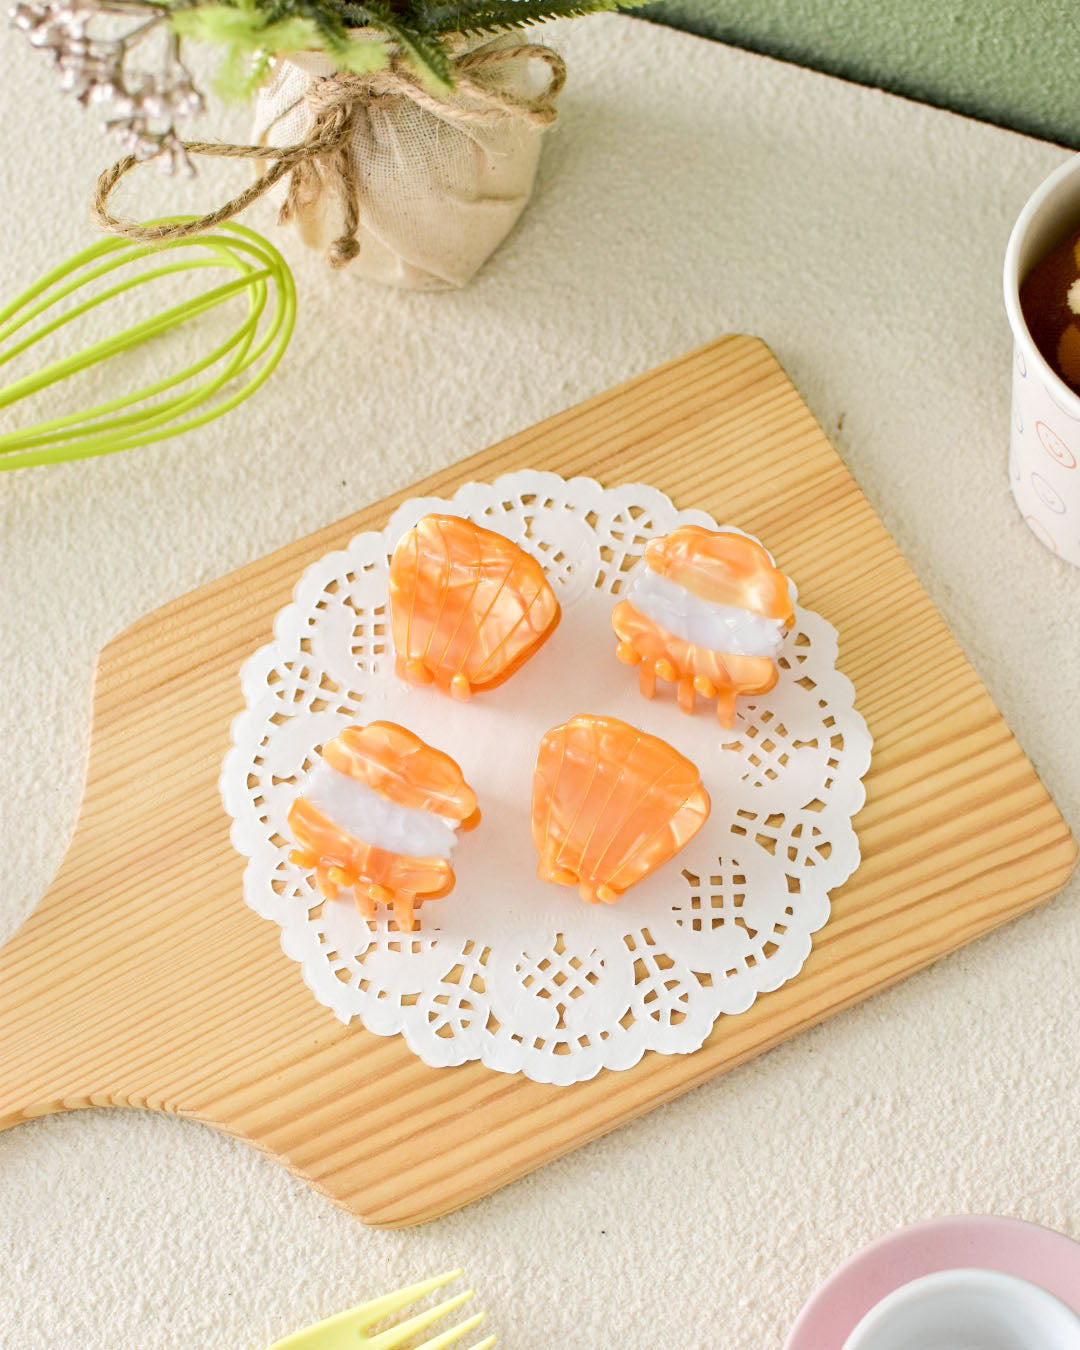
468	607
380	813
610	805
707	612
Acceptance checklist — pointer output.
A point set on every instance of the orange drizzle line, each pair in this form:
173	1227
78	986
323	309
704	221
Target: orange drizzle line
650	788
412	594
580	805
479	627
521	619
443	598
614	788
465	609
645	843
615	829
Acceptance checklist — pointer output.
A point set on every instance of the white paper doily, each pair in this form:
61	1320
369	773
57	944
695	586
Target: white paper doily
508	969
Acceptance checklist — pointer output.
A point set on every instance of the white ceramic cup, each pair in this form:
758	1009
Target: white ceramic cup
1044	454
967	1310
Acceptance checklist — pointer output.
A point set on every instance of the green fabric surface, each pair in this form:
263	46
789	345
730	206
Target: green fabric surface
1011	63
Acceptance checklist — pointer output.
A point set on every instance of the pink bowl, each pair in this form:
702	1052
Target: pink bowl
1026	1250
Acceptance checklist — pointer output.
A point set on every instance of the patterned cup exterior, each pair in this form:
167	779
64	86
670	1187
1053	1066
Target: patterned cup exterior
1044	459
1045	423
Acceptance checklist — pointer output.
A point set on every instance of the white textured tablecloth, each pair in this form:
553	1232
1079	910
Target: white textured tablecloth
689	190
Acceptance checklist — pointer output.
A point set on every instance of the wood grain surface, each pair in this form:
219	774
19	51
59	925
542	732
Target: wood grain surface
124	987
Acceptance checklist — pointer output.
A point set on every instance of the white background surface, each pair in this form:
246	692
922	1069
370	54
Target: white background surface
689	190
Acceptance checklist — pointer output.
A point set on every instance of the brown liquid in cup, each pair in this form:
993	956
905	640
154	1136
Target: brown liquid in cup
1054	323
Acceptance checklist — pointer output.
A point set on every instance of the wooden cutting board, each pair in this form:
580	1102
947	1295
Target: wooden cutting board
143	980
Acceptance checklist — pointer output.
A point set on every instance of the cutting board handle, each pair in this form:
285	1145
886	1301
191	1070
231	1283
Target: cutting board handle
89	984
53	1040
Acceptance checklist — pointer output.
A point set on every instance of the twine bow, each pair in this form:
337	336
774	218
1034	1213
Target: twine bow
323	156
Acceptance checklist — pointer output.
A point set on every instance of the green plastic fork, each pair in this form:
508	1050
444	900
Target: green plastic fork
349	1330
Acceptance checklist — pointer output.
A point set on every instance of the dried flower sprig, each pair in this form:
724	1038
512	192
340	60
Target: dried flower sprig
126	54
97	45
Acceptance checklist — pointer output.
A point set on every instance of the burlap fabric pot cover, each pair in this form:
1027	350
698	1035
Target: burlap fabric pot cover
439	180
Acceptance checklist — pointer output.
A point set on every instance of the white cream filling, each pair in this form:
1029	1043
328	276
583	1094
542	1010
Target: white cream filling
363	813
725	629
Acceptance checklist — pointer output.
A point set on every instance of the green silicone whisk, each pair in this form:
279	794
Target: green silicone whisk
112	270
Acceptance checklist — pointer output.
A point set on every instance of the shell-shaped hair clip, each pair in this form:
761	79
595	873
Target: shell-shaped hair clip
468	607
610	805
707	612
380	813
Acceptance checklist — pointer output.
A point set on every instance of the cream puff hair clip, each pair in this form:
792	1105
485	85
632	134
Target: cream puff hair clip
468	607
610	805
380	814
707	612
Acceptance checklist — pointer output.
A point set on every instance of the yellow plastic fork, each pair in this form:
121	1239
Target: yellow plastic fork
348	1330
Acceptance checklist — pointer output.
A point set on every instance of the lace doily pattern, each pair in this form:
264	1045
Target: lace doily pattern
507	969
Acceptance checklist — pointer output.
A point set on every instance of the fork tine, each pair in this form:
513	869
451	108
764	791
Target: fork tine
351	1323
405	1331
455	1334
378	1308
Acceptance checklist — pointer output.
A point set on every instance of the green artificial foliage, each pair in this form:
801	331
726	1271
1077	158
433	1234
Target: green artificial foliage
130	54
250	32
248	37
492	16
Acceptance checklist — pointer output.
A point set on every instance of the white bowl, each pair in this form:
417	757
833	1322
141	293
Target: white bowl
967	1310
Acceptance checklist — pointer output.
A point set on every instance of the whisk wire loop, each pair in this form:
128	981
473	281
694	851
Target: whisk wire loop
252	349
